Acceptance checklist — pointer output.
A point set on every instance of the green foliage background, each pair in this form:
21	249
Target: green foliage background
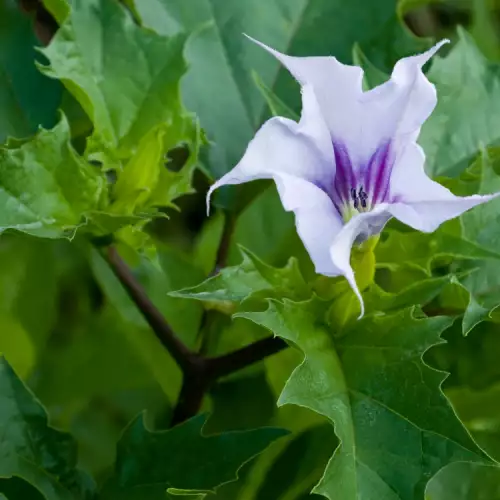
114	119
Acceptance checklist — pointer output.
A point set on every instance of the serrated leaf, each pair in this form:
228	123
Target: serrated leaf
252	278
298	27
27	98
140	174
182	458
418	293
126	78
173	184
420	250
146	180
33	451
395	426
481	226
46	189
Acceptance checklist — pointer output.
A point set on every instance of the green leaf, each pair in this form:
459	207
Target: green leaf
221	60
16	488
63	376
183	316
59	9
266	229
481	225
468	109
140	175
46	189
300	465
391	442
276	105
174	184
252	278
484	28
29	281
478	409
465	482
126	78
418	293
182	458
27	98
421	250
472	360
372	75
31	449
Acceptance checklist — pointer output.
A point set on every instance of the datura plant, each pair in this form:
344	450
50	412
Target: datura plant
329	331
352	161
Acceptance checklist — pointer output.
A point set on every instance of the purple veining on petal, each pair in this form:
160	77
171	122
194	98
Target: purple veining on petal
344	175
380	174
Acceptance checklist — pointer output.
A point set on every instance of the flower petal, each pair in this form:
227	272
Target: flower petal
399	106
362	121
409	182
299	157
359	228
420	202
338	88
427	216
317	220
301	149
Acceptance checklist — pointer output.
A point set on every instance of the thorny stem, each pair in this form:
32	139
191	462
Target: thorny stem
200	372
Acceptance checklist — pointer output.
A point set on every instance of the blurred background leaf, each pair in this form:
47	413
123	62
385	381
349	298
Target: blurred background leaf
27	98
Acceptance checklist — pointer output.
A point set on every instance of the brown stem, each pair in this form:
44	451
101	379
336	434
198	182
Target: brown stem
226	364
195	385
200	372
179	351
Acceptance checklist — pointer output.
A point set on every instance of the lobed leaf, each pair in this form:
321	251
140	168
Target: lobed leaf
46	189
182	458
33	451
395	426
125	77
251	279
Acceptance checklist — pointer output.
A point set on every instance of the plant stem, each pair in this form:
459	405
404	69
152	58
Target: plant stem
179	351
234	361
200	372
195	385
225	242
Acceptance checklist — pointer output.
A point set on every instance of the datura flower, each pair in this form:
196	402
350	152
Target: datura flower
352	161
